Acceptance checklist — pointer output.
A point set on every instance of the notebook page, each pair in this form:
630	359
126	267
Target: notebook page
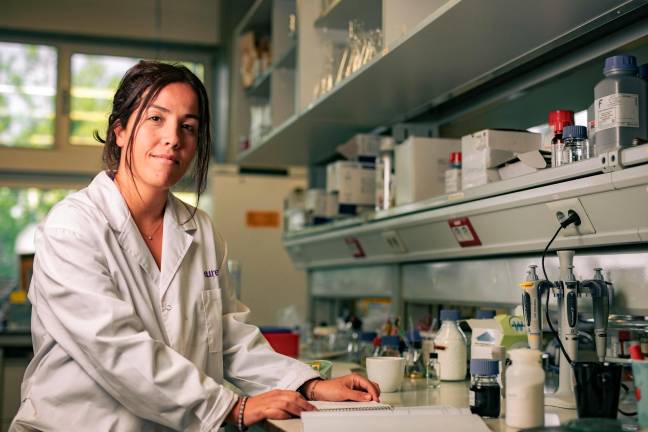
412	419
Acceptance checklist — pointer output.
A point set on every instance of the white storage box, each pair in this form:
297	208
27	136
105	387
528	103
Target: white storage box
354	182
420	167
362	147
321	204
483	151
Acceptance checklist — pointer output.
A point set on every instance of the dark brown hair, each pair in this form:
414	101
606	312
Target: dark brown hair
139	86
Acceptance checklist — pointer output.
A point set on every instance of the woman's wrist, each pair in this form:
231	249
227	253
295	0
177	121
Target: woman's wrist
232	416
308	388
236	415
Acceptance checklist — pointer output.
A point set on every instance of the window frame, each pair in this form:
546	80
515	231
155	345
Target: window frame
64	158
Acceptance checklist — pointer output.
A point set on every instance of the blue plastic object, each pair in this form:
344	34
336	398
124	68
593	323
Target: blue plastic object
578	132
450	315
484	367
368	336
393	341
620	63
643	72
485	314
414	336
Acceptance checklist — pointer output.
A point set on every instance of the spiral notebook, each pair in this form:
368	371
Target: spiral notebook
377	417
326	406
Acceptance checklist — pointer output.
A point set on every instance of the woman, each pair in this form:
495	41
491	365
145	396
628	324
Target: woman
135	324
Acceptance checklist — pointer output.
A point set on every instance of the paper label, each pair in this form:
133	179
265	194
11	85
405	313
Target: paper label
262	219
617	110
464	232
471	398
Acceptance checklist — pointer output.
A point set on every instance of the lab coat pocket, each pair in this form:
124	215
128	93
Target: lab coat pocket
213	310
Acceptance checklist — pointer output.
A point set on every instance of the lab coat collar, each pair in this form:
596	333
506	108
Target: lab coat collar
178	229
106	196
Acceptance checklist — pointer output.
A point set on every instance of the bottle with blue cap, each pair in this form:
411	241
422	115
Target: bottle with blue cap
576	146
484	394
620	105
450	344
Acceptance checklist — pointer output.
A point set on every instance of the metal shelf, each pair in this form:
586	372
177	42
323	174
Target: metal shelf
288	59
340	12
424	70
257	18
260	88
508	221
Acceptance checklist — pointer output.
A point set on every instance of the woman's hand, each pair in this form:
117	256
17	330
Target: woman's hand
351	387
275	404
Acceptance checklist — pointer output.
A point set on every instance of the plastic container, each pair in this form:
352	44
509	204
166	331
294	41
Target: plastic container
283	340
450	345
620	105
453	174
385	187
558	120
484	393
576	147
525	389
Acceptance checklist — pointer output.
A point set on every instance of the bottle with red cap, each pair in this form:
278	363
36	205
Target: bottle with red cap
453	174
558	120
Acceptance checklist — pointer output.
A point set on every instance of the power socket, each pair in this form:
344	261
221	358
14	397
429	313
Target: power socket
393	240
560	209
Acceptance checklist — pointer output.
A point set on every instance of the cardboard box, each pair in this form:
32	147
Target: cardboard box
483	151
354	182
525	163
362	148
420	167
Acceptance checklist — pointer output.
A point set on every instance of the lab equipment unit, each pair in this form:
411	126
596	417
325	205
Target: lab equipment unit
620	105
568	290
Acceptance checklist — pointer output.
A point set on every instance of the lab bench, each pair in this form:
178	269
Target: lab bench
416	393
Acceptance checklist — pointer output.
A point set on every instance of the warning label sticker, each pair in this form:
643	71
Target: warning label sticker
617	110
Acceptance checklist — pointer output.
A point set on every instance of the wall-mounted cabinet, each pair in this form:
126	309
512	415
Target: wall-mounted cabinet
263	72
446	57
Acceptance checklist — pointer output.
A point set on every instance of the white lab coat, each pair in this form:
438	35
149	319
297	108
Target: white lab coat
121	345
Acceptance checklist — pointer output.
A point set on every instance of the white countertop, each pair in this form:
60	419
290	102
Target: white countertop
417	393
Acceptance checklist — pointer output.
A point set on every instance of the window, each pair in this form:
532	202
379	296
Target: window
20	207
93	83
27	95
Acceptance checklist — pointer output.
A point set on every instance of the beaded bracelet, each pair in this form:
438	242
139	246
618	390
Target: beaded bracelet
241	426
311	393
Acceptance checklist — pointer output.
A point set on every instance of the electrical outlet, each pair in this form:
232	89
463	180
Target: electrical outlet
558	208
394	242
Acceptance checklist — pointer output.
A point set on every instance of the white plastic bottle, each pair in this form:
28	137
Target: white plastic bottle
450	344
525	389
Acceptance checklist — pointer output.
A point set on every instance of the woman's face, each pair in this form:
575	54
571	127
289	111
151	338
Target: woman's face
166	138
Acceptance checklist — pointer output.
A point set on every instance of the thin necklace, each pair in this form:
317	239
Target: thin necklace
150	236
